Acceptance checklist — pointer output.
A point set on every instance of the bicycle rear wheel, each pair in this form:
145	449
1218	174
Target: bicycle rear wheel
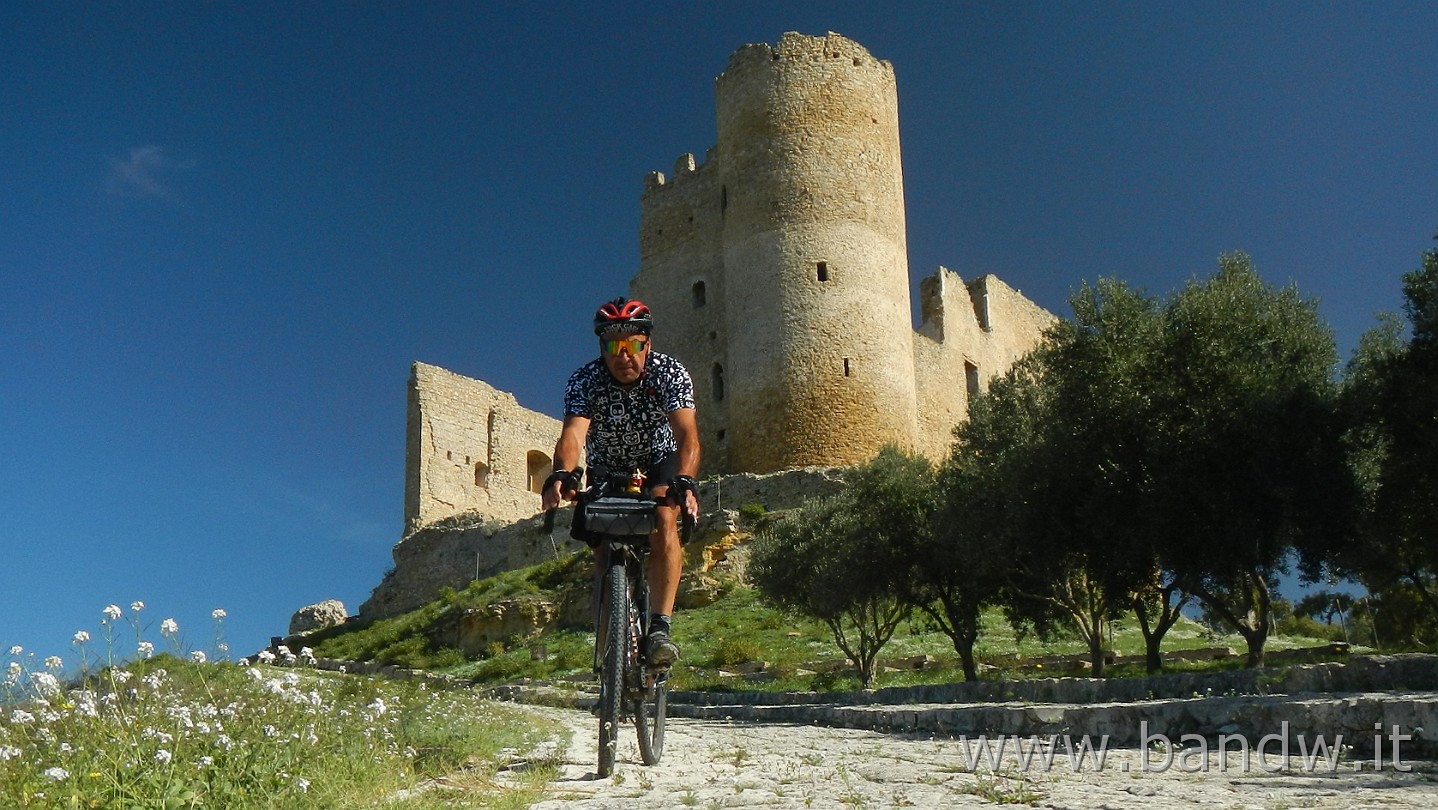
611	668
649	711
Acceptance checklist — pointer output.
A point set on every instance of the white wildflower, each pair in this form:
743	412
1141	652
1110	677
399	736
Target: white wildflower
145	649
198	656
163	757
137	606
378	707
9	752
113	613
45	684
266	657
81	637
17	651
270	731
206	762
169	628
54	662
222	648
85	704
56	774
121	676
20	717
303	784
218	614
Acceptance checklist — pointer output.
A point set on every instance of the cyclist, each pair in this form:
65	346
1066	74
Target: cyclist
631	409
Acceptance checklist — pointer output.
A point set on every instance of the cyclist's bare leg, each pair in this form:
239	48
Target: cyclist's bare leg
666	561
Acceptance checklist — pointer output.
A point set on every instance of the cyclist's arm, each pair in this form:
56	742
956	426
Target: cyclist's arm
566	453
686	435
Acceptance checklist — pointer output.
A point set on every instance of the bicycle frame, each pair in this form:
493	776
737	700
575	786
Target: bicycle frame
629	687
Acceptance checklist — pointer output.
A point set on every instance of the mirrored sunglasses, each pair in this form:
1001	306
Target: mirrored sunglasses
632	346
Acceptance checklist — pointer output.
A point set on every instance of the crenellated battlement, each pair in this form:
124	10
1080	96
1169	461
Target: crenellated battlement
685	166
795	49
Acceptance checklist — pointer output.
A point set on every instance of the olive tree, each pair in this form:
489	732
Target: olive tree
841	559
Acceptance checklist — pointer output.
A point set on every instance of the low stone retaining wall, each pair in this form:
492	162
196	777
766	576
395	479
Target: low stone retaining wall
1338	719
1363	673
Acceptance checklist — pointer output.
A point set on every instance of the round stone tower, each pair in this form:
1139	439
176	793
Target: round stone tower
819	336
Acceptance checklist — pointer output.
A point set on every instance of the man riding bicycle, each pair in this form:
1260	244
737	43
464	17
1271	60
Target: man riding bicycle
633	409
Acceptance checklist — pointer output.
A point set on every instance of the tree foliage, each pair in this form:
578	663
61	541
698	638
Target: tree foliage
1252	462
1391	400
840	559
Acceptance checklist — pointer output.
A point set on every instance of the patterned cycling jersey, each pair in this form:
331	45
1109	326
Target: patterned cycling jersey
629	429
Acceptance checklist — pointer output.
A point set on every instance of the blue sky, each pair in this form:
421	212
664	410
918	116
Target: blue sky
226	232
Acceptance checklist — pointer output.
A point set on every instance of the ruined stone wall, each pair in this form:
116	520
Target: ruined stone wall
471	447
969	334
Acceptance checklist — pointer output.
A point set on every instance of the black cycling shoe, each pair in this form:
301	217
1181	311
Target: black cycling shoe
660	650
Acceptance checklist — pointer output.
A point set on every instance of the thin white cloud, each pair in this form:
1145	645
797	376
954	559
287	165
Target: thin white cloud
143	173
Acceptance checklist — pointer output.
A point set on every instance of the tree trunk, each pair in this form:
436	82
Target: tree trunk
1095	650
1254	626
1153	634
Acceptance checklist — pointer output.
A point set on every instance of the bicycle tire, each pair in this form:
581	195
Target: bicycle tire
649	712
616	644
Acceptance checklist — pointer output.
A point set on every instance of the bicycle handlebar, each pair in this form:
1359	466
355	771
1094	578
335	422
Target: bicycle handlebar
687	523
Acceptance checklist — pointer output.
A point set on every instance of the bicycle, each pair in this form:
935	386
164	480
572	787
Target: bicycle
617	515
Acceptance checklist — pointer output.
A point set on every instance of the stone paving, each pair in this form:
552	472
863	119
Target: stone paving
713	763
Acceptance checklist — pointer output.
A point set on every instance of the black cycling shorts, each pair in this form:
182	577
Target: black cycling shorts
658	475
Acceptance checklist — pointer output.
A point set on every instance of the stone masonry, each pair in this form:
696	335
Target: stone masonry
778	273
470	447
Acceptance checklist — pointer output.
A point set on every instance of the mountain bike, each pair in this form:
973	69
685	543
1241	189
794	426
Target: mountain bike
616	517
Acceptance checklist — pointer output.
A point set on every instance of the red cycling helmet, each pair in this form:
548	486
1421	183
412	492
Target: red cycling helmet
623	314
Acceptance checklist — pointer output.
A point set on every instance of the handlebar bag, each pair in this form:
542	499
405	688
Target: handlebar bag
618	517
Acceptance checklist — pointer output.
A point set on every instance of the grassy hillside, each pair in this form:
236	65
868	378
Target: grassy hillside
737	632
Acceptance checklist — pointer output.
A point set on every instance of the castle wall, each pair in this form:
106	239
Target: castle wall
471	447
794	225
681	278
969	334
815	257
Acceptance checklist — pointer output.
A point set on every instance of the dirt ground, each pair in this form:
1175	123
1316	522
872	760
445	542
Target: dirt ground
710	764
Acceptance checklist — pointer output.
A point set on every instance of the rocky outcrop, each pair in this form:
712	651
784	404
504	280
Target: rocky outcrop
319	616
455	551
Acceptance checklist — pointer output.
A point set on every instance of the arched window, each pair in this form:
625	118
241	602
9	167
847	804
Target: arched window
823	271
481	475
540	466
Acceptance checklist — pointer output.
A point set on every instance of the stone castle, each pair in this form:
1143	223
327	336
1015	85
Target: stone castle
778	273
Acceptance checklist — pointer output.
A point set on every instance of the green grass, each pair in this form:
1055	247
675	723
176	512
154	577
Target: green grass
799	653
167	733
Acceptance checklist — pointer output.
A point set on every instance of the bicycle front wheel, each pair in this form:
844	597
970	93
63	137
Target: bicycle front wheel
649	713
611	668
